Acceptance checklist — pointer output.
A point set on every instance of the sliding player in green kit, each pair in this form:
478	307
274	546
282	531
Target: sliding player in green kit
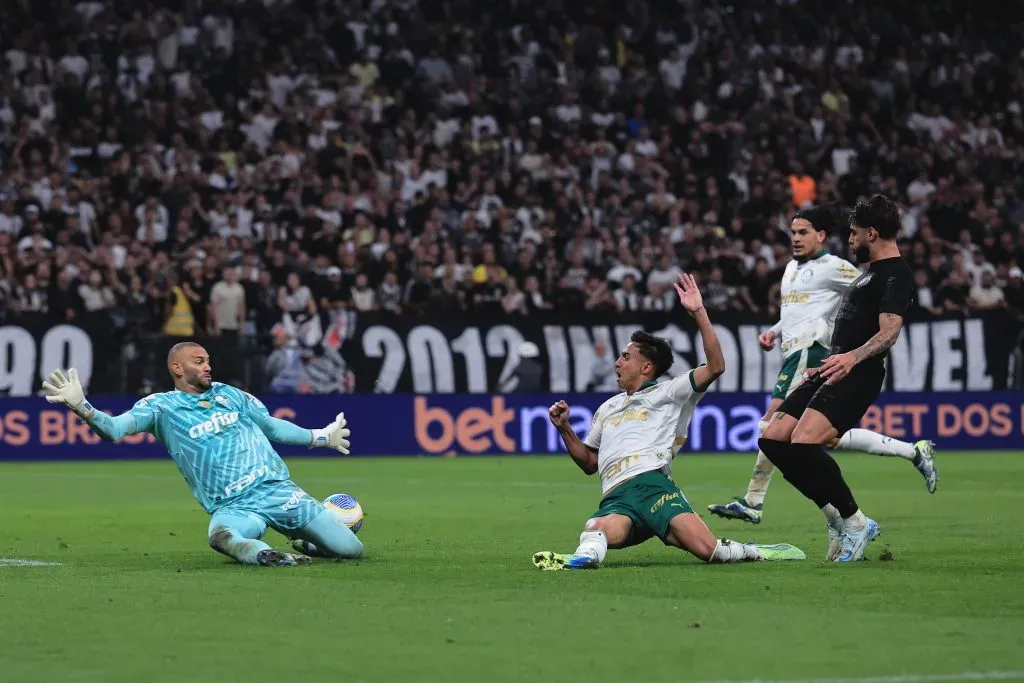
631	443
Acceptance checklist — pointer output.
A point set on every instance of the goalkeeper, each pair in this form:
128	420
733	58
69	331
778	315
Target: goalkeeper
631	444
219	437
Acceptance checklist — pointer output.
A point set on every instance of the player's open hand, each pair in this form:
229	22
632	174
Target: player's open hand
66	389
334	435
834	368
689	295
559	414
767	340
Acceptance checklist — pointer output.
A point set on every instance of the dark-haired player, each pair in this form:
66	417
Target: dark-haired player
812	289
838	392
631	443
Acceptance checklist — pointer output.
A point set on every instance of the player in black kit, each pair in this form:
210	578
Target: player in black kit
837	394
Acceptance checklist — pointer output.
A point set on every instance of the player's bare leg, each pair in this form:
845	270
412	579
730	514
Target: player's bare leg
599	534
689	532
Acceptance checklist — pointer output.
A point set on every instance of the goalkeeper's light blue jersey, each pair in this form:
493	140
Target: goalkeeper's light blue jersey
220	439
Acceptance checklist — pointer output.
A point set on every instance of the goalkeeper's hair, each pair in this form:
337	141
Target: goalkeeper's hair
178	347
655	349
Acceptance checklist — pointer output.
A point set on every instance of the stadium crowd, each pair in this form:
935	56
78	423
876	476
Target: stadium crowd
206	166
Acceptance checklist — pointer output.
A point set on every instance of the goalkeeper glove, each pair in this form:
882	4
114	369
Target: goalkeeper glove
334	435
67	389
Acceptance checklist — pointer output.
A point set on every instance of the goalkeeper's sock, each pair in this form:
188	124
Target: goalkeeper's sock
233	544
593	544
876	444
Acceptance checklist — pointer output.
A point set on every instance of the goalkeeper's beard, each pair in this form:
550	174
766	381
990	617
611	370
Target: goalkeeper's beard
200	382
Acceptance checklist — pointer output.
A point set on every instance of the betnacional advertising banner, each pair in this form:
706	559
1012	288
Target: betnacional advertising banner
488	424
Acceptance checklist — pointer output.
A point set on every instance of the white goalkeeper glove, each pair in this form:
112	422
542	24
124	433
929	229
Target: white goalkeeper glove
334	435
67	389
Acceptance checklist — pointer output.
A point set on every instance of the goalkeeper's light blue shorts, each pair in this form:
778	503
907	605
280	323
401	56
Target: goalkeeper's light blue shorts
281	505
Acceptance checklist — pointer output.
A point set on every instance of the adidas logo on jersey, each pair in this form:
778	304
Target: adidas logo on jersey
214	425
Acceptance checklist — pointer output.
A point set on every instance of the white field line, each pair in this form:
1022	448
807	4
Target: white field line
904	678
21	562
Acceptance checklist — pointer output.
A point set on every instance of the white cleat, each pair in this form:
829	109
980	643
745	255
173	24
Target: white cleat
855	541
924	462
835	540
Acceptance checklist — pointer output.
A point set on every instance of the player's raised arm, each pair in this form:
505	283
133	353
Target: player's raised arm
334	435
693	302
583	454
67	389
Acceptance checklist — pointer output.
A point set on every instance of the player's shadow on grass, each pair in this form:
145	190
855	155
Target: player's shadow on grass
668	561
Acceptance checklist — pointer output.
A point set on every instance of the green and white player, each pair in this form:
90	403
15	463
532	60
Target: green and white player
812	289
632	440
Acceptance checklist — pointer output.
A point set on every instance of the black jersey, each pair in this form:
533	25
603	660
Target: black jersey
886	287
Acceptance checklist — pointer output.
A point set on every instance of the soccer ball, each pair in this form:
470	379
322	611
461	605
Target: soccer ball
346	509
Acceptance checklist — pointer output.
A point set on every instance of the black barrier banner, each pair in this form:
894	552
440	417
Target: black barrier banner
472	354
33	346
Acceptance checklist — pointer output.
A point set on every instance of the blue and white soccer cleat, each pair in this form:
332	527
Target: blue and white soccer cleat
549	561
924	462
855	542
739	508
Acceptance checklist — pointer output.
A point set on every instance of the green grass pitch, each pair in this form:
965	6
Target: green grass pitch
447	592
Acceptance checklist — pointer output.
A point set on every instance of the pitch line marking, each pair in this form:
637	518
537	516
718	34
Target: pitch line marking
22	562
905	678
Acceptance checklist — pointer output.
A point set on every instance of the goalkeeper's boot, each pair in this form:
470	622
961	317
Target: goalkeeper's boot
739	508
778	551
307	548
275	558
855	541
549	561
924	462
835	540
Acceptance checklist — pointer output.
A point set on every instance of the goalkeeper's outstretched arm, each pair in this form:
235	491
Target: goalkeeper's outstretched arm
110	427
334	435
67	389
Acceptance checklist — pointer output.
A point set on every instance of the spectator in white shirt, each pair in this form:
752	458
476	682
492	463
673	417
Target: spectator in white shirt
921	189
986	295
626	296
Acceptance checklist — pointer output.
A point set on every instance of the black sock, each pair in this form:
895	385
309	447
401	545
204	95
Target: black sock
829	485
792	461
775	451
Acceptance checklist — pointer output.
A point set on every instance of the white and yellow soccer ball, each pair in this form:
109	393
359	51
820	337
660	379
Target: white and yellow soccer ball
346	509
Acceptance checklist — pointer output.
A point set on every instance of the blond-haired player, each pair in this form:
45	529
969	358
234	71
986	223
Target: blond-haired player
631	443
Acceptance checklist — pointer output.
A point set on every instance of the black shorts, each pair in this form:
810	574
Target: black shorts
843	403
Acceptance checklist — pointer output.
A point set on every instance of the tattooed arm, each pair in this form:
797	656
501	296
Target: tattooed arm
835	368
889	326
